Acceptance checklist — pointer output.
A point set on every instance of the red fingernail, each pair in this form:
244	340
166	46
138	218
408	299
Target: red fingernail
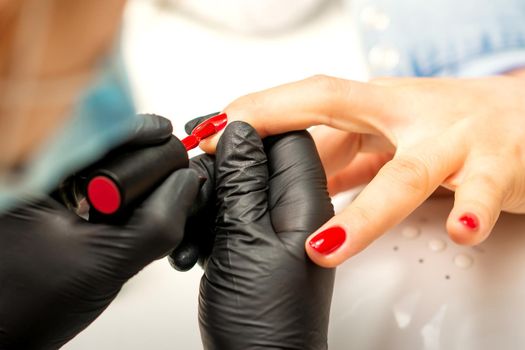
210	126
327	241
470	221
205	129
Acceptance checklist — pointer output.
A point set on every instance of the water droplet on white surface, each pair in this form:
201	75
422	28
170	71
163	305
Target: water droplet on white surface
437	245
463	261
410	232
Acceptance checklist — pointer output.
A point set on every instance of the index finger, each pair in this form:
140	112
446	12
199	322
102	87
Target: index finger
319	100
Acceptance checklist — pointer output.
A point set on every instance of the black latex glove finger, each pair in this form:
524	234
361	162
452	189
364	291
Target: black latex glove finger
163	216
241	177
59	272
150	129
199	235
294	209
260	290
189	126
299	204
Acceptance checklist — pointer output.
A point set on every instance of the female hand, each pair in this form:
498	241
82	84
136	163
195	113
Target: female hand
467	135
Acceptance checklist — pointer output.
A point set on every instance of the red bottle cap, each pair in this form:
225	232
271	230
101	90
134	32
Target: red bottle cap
104	195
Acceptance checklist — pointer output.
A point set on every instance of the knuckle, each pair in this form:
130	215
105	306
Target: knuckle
330	90
251	102
409	173
328	84
376	164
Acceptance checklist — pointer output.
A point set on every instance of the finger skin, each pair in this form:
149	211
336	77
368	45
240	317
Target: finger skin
330	143
319	100
399	188
360	171
479	198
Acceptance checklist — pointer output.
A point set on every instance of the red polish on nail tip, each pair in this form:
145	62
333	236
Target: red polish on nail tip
469	221
327	241
190	142
205	129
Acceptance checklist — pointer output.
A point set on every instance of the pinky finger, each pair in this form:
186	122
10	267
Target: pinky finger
477	205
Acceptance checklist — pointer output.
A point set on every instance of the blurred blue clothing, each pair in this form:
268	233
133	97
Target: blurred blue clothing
441	37
103	116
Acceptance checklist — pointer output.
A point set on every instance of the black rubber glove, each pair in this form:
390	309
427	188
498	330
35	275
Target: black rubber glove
59	272
260	290
149	129
198	240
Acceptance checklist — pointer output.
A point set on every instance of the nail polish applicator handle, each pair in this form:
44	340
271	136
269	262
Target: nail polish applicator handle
123	179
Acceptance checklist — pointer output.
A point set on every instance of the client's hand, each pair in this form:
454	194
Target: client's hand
407	137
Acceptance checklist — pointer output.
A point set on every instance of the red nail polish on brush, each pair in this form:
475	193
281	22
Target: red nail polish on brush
470	221
205	129
327	241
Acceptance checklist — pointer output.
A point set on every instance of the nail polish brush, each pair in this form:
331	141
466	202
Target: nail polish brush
123	179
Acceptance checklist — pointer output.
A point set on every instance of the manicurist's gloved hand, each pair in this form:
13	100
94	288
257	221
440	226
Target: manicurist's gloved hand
259	289
59	272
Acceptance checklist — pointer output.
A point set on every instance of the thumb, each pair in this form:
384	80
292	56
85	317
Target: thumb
241	177
150	129
401	186
158	226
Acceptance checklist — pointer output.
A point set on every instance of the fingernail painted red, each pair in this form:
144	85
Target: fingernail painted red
210	126
205	129
327	241
470	221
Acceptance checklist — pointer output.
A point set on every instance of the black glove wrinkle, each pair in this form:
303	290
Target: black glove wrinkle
260	290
